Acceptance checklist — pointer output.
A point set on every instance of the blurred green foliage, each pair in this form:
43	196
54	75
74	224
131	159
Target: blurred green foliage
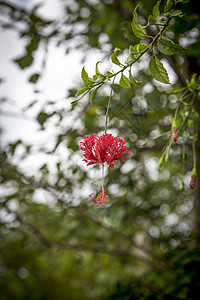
145	245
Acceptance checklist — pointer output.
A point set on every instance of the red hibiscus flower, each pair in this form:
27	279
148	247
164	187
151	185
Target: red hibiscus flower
104	148
98	150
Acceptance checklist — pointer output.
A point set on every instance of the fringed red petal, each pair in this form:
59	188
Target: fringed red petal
104	148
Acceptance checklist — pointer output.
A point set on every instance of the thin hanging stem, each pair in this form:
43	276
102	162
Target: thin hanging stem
102	193
194	147
194	155
183	157
183	165
153	139
102	180
168	149
108	106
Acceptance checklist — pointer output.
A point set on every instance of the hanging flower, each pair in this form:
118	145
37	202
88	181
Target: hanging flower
104	148
98	150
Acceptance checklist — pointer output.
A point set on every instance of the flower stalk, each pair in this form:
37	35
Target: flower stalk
108	106
100	150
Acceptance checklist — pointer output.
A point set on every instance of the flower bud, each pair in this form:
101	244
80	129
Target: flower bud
194	173
161	161
166	157
175	135
192	183
182	185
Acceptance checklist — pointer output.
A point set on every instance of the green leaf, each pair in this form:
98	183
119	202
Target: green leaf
33	45
93	93
130	59
34	78
139	48
109	75
114	58
168	5
82	90
98	73
133	81
156	12
42	117
86	79
137	29
95	77
24	61
157	70
132	54
168	47
135	50
151	20
124	82
176	13
72	92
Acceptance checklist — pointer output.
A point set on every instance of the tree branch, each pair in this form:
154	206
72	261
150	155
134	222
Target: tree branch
91	248
147	257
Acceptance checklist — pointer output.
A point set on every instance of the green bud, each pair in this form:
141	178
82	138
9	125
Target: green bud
182	185
166	157
194	173
174	124
161	161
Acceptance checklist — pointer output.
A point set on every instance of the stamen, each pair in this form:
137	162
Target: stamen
102	197
92	197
